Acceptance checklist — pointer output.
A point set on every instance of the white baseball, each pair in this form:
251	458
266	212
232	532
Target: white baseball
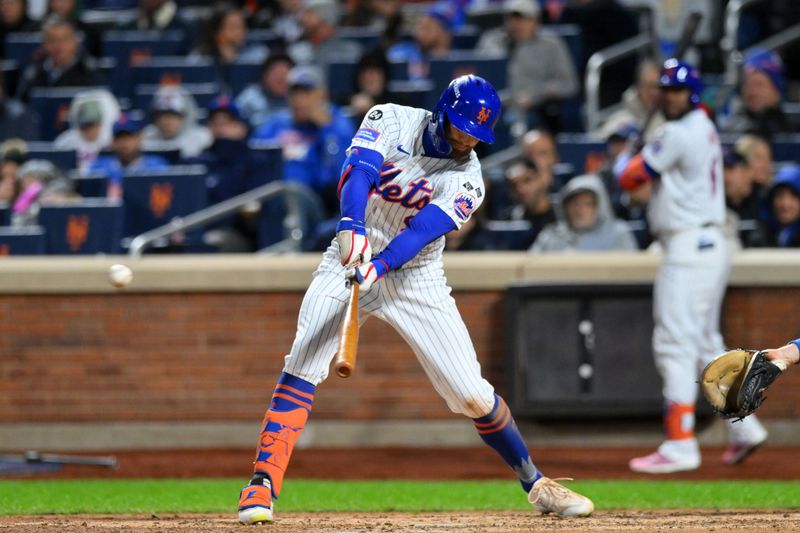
120	275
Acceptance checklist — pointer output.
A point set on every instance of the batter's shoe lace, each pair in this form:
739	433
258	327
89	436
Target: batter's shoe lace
255	502
547	496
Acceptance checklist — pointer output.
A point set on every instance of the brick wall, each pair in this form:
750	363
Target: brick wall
215	356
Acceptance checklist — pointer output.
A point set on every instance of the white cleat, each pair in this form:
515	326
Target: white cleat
658	463
547	496
255	503
255	515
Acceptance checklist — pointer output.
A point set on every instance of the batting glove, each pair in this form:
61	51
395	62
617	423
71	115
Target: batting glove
354	247
366	275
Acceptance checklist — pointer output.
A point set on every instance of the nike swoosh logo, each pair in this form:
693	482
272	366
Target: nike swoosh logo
400	149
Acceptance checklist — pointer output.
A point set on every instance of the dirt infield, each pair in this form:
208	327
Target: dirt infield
508	522
426	464
434	463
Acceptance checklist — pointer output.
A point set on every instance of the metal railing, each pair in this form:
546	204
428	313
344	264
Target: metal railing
601	60
292	223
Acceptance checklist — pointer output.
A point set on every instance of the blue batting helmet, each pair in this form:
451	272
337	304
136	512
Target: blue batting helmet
471	105
677	73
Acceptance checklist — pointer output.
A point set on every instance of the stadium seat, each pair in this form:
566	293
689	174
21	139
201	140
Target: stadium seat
22	241
398	70
91	186
571	34
458	63
52	104
581	151
786	148
268	38
88	226
64	159
20	47
203	94
155	198
368	38
131	47
269	159
414	93
11	71
466	37
173	156
242	73
341	80
171	70
274	225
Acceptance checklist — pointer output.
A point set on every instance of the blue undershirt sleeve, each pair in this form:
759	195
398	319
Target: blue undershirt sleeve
426	226
796	342
360	173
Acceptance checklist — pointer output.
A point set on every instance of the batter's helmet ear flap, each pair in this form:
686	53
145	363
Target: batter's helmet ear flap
677	73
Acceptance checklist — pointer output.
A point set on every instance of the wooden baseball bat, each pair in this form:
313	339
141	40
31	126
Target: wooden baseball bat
686	39
348	337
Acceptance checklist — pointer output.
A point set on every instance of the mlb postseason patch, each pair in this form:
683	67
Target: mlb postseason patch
375	115
367	134
464	205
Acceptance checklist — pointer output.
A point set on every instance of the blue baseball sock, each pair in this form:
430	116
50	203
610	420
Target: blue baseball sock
498	430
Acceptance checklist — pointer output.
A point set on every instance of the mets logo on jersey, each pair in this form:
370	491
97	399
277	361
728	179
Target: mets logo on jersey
483	115
464	205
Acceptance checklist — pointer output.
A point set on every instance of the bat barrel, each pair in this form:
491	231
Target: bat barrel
348	337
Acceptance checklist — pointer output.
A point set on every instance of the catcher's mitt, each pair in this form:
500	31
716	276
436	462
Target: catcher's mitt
733	383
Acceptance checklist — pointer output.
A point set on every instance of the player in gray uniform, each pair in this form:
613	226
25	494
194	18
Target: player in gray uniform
410	177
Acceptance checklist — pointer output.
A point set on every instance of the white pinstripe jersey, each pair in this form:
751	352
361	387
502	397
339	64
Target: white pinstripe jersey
456	186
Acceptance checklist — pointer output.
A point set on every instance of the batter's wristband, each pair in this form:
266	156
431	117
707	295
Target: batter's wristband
796	342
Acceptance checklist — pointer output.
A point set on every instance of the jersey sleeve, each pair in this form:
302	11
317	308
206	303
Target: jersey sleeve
461	194
665	149
379	131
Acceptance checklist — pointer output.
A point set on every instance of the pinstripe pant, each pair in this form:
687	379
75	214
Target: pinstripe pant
416	302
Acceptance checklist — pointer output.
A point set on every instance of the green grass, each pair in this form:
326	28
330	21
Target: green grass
219	495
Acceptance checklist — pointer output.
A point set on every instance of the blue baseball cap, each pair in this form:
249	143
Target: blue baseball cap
447	15
126	124
225	104
768	62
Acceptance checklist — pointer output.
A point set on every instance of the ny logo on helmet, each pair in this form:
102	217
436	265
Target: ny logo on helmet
483	115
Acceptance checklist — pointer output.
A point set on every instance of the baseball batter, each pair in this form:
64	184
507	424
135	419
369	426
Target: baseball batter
410	177
680	173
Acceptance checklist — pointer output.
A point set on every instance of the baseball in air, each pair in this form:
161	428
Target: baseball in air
120	276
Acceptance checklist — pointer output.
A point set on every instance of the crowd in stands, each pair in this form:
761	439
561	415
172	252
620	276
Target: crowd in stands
298	76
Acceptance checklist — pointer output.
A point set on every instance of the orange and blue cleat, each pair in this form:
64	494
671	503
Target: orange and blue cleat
255	502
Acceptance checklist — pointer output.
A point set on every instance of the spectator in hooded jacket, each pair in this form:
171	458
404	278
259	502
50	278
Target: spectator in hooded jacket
758	108
175	127
585	221
781	225
91	115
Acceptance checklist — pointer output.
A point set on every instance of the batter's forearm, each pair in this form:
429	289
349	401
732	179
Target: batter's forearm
428	225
